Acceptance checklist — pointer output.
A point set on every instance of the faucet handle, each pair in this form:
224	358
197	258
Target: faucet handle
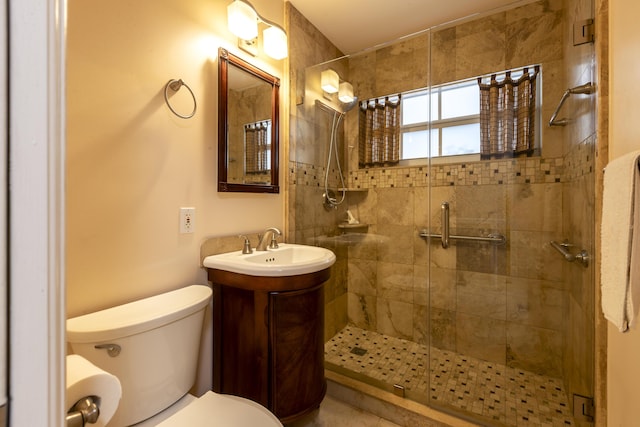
246	249
274	242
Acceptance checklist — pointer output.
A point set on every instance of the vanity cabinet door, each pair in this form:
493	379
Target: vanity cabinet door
240	346
297	351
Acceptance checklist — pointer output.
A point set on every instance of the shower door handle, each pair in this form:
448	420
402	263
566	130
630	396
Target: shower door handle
445	224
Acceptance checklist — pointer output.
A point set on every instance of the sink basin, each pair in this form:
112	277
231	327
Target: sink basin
288	260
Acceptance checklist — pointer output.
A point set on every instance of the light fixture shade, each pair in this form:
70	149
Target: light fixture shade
275	42
242	20
330	81
345	94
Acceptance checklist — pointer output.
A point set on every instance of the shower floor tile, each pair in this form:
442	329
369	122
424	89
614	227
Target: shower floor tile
495	392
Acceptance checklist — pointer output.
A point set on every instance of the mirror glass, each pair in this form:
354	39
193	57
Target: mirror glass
248	127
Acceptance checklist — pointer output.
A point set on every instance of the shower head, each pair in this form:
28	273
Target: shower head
346	107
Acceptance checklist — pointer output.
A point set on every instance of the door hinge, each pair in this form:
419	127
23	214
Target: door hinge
583	408
583	32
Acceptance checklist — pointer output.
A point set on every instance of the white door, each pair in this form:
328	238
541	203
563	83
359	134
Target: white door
36	210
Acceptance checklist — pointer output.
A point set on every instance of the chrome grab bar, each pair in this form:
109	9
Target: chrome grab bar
582	257
493	238
445	224
445	237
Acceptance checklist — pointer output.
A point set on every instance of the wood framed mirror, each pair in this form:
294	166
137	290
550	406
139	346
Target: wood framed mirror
248	127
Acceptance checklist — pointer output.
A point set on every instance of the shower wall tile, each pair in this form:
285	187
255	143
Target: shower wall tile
365	65
533	257
554	85
362	310
394	318
442	328
481	294
395	243
394	72
481	207
362	276
535	349
421	284
444	56
420	324
395	281
481	337
442	288
440	257
396	206
367	247
480	47
539	37
483	257
539	303
335	316
581	358
421	206
536	207
421	253
337	283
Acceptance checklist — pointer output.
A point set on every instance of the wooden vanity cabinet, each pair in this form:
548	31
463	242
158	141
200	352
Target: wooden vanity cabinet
268	343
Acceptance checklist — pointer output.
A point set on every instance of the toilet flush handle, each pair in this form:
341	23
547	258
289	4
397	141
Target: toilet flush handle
112	349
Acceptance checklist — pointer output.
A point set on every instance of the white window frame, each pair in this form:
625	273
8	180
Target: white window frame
439	124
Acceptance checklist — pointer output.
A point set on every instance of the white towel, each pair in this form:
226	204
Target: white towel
620	235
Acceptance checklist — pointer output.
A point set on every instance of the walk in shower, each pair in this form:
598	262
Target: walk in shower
493	325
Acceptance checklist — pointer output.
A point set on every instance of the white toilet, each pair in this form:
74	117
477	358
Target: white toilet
152	345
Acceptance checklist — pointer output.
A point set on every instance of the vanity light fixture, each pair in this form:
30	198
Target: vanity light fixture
243	20
274	42
330	81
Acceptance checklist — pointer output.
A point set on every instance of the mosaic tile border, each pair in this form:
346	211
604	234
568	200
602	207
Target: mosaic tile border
512	171
494	392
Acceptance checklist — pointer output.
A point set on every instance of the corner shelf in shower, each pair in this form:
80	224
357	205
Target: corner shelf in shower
353	190
352	226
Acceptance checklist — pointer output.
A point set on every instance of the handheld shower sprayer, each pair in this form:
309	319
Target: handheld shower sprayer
330	201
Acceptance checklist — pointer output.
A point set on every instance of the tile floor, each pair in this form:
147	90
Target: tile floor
494	393
334	413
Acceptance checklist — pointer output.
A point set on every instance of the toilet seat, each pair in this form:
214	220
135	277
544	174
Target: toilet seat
213	409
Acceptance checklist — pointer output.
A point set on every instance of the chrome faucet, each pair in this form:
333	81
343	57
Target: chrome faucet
273	244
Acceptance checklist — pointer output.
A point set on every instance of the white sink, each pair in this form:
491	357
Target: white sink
288	260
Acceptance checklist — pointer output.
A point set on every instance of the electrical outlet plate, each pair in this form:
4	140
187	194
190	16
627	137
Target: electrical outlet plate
187	220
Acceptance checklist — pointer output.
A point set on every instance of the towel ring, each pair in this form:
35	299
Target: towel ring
175	86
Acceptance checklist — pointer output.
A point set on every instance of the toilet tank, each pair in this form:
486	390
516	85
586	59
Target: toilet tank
151	345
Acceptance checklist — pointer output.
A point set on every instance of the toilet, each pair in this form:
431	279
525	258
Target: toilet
151	346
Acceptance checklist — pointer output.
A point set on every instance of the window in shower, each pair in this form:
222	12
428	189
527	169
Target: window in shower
444	121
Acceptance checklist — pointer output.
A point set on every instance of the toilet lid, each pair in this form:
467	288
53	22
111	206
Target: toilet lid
213	409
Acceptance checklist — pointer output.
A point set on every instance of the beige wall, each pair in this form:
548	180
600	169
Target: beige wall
131	163
623	350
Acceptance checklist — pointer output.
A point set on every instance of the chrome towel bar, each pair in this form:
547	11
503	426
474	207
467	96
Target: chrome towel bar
585	89
582	257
